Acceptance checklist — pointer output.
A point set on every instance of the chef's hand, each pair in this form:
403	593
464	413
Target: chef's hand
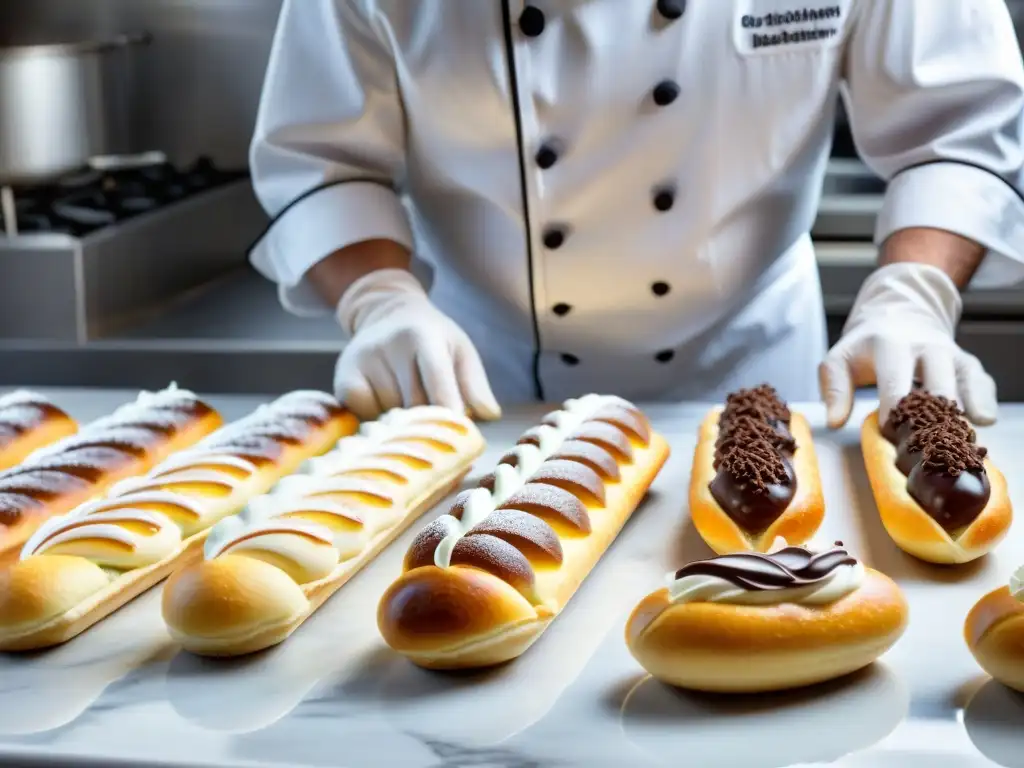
902	325
403	351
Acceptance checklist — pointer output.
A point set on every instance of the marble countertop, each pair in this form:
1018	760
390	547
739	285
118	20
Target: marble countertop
334	695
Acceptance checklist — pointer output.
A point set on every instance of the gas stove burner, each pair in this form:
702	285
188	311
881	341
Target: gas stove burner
107	193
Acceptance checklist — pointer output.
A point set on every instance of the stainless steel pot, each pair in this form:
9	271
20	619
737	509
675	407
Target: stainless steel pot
62	104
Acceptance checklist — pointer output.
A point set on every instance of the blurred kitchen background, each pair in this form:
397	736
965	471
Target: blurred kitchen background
132	272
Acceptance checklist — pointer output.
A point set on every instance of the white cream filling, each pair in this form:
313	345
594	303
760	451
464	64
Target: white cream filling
309	545
509	479
325	475
1016	585
700	588
193	465
146	549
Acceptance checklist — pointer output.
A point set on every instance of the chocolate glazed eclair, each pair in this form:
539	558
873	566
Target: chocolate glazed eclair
755	475
939	496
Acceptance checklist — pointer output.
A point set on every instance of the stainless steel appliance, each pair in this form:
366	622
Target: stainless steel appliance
98	251
852	196
62	104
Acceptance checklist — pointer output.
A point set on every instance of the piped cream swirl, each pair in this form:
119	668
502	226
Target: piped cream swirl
508	479
376	468
117	522
125	538
788	575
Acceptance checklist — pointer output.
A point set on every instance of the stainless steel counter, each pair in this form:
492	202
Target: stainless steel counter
122	694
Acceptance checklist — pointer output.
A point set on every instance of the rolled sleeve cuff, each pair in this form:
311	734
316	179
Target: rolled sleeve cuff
968	201
318	224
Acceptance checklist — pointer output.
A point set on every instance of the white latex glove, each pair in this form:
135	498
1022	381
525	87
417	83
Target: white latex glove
902	325
403	351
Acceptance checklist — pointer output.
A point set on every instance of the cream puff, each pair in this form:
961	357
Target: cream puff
749	622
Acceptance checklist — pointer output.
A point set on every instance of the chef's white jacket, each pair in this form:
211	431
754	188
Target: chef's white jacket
616	195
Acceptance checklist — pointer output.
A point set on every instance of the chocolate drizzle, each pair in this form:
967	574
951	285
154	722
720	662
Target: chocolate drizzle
788	568
937	452
754	478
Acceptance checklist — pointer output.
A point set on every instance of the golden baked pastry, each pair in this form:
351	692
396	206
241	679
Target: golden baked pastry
132	440
264	571
78	568
940	497
755	475
750	622
28	421
482	582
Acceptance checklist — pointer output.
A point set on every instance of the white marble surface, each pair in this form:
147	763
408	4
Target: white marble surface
333	695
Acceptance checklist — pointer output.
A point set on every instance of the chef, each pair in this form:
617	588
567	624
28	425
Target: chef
616	195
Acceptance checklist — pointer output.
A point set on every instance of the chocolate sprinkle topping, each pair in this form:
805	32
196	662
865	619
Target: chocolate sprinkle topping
958	429
761	402
934	426
755	463
922	409
744	429
949	454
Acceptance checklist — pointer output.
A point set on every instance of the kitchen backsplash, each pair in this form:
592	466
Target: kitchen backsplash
197	87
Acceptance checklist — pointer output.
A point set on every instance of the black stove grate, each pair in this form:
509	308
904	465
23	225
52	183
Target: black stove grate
84	202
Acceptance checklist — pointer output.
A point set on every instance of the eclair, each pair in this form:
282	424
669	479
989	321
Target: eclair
994	632
755	475
264	571
482	582
940	497
29	421
750	622
78	568
60	476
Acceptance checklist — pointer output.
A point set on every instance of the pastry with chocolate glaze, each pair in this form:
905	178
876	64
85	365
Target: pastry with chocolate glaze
750	622
29	421
940	497
755	475
61	475
78	568
481	583
278	560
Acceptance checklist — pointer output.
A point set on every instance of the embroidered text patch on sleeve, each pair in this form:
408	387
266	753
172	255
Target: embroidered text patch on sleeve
771	27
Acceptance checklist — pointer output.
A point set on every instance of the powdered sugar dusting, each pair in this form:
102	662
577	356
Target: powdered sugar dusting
22	418
24	397
551	503
79	460
134	440
593	456
497	557
605	435
88	463
41	484
571	475
527	533
421	551
13	506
